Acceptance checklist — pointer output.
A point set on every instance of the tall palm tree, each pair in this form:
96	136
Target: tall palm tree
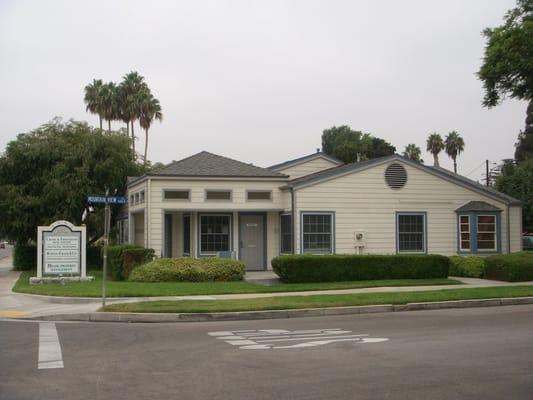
109	103
412	152
93	98
131	87
435	145
150	110
454	145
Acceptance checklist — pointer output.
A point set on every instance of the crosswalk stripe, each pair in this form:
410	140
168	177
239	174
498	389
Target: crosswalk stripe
50	355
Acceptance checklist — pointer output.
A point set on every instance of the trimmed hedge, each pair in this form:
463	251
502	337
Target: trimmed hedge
515	267
24	257
188	269
331	268
469	266
122	259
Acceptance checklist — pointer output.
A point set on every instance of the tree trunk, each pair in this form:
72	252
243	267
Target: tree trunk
100	117
109	125
145	146
435	159
454	165
133	140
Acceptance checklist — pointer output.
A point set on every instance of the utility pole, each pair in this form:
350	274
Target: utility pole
487	172
107	220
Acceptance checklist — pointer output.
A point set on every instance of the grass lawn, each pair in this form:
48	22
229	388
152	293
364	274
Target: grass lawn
317	301
136	289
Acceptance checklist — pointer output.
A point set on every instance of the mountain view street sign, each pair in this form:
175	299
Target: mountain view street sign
108	199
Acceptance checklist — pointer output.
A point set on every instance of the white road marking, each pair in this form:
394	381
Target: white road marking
268	339
49	347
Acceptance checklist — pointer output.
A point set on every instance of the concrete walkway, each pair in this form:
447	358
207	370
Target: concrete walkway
18	305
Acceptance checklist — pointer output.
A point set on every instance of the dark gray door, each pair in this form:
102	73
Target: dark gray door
252	241
168	235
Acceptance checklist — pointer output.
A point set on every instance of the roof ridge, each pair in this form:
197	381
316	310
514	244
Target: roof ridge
303	158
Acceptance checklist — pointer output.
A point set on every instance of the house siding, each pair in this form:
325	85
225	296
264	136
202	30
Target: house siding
307	167
515	215
362	202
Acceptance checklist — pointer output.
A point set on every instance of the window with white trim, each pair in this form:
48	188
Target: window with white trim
215	233
486	232
411	232
464	233
317	233
176	194
285	233
218	194
252	195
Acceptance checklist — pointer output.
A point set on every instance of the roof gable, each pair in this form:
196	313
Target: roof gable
345	169
478	206
304	159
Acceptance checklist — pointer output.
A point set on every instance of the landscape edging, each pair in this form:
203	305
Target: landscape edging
274	314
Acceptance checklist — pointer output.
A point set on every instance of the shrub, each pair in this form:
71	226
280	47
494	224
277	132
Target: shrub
515	267
94	257
469	266
188	269
330	268
122	259
25	257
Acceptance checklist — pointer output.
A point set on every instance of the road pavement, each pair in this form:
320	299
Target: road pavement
483	353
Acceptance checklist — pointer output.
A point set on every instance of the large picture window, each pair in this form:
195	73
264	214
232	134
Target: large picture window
478	232
286	233
486	232
317	233
411	232
215	233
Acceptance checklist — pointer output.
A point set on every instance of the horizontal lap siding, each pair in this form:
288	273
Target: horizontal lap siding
516	234
306	168
362	202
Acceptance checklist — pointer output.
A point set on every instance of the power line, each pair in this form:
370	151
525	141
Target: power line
475	169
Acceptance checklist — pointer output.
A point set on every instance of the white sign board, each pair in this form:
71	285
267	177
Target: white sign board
61	250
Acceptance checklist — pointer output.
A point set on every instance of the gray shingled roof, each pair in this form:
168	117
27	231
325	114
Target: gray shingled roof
298	160
205	164
353	167
477	206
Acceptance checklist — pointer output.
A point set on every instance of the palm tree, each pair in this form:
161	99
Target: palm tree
435	145
109	100
93	98
131	87
412	152
454	145
150	110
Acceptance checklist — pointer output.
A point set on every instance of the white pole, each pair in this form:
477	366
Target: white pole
107	220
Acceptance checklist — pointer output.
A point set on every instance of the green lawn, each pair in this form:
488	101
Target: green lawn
136	289
318	301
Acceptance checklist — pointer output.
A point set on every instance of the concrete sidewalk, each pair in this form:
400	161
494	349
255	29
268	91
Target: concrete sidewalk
18	305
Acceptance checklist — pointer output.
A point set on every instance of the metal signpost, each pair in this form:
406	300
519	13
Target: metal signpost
107	200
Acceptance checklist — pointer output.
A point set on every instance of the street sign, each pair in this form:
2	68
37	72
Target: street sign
108	199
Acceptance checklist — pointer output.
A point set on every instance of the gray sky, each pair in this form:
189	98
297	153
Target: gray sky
259	80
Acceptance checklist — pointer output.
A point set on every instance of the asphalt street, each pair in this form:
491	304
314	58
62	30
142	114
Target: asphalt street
448	354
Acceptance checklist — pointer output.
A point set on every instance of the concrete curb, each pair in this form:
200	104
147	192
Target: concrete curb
275	314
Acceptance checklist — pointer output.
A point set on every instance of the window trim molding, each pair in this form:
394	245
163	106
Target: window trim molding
333	229
176	190
218	190
270	199
280	252
474	232
471	236
397	233
199	232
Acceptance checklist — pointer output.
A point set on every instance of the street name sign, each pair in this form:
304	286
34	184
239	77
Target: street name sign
108	199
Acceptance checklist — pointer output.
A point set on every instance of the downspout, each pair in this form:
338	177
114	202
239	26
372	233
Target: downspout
509	229
293	217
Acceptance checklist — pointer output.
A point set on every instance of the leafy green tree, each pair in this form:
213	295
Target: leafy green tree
46	174
412	152
435	145
93	98
149	111
454	145
507	67
348	145
524	147
517	180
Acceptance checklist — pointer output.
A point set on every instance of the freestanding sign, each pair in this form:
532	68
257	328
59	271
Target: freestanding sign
61	252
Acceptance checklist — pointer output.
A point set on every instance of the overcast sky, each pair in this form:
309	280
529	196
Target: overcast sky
259	80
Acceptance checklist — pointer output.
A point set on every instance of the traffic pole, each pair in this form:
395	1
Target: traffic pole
107	220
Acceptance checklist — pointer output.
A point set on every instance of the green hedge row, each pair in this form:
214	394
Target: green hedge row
24	257
331	268
122	259
515	267
187	269
469	266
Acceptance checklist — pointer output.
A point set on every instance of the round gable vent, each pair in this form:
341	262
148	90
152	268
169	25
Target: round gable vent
396	176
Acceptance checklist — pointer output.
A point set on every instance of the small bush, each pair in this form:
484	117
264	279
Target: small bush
188	269
122	259
25	257
331	268
94	257
469	266
515	267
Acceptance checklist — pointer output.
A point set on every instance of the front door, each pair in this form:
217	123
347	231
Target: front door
252	241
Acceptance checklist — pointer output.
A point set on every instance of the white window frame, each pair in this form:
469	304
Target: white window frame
495	248
188	191
424	232
281	234
258	191
219	190
331	234
461	248
230	233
